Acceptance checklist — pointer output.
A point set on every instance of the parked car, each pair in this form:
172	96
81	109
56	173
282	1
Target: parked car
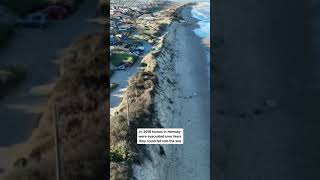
120	68
126	65
140	49
136	53
33	20
55	12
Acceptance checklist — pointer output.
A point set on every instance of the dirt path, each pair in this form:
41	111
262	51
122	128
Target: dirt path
36	50
121	78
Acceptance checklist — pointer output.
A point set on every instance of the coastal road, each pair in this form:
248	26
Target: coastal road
36	51
122	79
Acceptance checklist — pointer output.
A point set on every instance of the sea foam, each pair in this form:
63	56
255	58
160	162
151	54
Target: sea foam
201	12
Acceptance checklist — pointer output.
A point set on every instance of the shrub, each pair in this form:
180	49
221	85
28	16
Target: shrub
124	150
120	171
118	58
121	151
113	86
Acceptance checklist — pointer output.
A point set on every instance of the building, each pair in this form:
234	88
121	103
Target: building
146	17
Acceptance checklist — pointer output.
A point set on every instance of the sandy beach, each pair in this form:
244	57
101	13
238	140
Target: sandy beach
182	101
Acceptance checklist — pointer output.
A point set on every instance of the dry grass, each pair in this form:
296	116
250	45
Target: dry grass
120	171
124	150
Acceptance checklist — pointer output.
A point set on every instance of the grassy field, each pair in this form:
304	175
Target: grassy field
121	57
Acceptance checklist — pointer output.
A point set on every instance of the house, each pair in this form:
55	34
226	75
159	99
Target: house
112	23
156	14
113	40
117	15
135	8
124	27
146	17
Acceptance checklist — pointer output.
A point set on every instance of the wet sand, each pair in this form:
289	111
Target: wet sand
191	161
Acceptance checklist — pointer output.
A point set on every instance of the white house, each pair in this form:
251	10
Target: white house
146	17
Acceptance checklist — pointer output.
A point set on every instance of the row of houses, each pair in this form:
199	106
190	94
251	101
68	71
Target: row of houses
123	27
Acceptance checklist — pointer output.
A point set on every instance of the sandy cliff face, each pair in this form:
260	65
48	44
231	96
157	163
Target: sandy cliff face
181	101
152	167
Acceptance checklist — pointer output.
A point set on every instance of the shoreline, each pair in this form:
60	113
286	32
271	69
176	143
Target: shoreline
195	25
177	106
194	115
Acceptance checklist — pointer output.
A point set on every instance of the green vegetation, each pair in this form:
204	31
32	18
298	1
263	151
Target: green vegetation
120	171
142	64
155	9
165	21
161	29
118	58
113	86
124	150
146	37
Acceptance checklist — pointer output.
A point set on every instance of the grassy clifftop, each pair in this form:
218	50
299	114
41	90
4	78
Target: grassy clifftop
139	102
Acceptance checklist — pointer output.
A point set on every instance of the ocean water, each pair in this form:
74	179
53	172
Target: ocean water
201	11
